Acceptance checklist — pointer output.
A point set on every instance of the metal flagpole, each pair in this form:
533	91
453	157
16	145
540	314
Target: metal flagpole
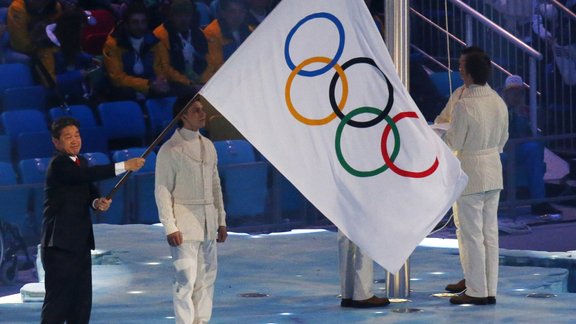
397	25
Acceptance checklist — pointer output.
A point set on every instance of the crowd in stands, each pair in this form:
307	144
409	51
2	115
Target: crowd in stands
89	52
152	48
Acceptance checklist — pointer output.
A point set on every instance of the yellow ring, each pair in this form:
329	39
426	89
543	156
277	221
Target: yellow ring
341	104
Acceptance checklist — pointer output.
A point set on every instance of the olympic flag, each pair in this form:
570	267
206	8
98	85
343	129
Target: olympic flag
315	91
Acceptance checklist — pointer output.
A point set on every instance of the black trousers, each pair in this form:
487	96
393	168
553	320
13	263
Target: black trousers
68	282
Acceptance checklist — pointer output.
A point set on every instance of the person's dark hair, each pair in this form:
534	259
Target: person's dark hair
479	66
226	32
69	33
181	103
134	8
60	124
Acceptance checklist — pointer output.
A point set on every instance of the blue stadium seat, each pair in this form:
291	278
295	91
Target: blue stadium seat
14	200
82	113
123	120
244	180
94	139
141	185
34	145
22	121
5	149
14	75
33	170
7	174
117	214
30	97
97	158
234	151
159	111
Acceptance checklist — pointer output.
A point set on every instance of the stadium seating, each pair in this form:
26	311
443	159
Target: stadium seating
82	113
28	97
244	180
141	184
159	112
22	121
123	121
34	145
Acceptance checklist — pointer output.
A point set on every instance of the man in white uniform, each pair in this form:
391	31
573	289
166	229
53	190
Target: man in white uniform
189	199
444	118
356	276
478	132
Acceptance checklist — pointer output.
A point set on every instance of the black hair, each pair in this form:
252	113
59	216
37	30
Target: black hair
59	124
479	66
181	103
134	8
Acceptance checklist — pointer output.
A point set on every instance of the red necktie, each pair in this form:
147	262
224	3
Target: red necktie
77	161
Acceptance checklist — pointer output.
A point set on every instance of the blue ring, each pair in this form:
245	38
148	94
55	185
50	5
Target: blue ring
336	22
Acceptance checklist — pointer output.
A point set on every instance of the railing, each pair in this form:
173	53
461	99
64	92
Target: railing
533	55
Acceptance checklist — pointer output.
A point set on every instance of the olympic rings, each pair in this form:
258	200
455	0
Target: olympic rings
332	62
338	107
383	113
339	154
389	161
296	71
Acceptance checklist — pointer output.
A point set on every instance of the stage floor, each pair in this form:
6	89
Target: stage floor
299	274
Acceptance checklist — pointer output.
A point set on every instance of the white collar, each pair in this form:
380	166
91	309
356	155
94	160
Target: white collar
189	135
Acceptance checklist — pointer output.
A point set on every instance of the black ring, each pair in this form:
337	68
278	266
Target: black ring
340	114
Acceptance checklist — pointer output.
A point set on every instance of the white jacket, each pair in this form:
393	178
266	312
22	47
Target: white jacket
478	131
188	192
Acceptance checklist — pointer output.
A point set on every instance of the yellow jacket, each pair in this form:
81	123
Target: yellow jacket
119	58
20	23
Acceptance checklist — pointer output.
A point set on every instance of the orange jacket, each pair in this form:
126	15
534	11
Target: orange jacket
119	57
20	24
219	47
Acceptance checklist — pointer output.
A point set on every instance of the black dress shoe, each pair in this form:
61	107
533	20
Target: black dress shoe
457	287
371	302
546	209
491	300
465	299
346	302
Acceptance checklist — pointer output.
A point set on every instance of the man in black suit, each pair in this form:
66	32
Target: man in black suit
67	235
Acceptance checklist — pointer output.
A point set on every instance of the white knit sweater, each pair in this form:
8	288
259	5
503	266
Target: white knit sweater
478	131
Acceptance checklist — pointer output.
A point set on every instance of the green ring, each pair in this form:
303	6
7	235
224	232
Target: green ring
341	159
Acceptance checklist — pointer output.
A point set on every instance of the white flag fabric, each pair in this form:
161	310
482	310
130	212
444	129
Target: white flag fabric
315	90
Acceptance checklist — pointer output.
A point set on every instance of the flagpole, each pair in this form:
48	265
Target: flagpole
150	148
397	29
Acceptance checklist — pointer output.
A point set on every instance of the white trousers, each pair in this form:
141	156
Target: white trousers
196	266
476	218
356	270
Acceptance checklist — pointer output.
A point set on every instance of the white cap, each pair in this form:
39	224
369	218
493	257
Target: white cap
513	81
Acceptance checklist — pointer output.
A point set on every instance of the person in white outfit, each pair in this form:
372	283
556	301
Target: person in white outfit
190	207
356	276
445	117
478	132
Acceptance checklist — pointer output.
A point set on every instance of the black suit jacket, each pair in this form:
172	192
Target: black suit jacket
69	192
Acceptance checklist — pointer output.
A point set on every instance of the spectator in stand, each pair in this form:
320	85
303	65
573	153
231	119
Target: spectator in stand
226	32
65	65
185	46
529	155
258	10
27	20
134	59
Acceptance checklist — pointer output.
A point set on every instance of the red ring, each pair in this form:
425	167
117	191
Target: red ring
388	161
